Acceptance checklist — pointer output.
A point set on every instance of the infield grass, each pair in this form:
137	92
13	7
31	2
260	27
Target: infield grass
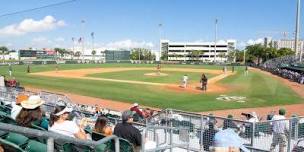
259	89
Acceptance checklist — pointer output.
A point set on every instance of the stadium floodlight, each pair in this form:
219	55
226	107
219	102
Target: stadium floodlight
215	39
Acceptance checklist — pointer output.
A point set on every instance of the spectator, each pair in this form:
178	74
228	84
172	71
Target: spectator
127	131
101	126
208	136
279	128
138	111
16	106
59	123
251	117
30	111
228	123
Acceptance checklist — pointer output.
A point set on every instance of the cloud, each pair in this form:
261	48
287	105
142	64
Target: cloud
257	41
127	44
30	26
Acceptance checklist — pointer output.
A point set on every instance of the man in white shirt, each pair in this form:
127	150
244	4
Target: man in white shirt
185	81
280	128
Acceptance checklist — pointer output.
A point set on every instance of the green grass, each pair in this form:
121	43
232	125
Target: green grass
139	75
260	89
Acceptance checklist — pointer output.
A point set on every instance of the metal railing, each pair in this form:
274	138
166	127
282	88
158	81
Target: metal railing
52	137
256	136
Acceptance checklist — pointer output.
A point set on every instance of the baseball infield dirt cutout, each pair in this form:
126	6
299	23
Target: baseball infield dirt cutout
191	88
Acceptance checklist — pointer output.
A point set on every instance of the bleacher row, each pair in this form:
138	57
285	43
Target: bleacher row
286	67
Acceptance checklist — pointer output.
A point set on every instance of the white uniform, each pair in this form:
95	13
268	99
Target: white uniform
185	81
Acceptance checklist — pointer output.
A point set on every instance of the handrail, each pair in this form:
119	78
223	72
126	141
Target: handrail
56	136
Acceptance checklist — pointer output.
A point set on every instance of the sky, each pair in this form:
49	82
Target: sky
135	23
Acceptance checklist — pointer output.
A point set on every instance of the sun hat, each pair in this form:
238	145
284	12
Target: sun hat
65	110
32	102
127	114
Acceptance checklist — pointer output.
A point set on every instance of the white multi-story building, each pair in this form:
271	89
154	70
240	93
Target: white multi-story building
288	44
198	51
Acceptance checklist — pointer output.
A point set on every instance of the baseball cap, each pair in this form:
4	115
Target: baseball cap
282	111
127	114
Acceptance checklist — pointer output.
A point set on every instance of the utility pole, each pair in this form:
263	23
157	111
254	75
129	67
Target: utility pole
298	30
82	40
160	37
215	40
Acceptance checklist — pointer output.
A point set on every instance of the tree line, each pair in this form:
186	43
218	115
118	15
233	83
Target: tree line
258	53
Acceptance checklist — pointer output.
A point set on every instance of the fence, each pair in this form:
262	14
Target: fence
164	138
202	128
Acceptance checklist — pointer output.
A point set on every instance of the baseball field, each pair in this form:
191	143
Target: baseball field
142	84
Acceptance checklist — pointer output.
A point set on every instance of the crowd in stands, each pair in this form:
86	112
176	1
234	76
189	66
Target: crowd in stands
276	66
28	111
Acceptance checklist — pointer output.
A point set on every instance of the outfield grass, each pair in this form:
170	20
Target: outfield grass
139	75
260	89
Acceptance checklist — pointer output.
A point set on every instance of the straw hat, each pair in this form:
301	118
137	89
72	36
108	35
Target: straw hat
32	102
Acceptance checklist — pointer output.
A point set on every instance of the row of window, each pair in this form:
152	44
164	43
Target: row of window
205	51
197	46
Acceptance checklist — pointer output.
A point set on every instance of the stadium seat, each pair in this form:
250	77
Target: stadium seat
124	145
6	118
35	126
10	146
97	136
3	133
35	146
5	109
17	139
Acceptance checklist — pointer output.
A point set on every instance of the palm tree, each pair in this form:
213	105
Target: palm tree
93	53
196	54
3	50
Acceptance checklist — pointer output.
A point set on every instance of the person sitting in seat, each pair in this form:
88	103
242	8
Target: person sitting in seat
127	131
59	123
16	106
101	126
30	111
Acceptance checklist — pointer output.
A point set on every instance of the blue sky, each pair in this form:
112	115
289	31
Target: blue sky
135	22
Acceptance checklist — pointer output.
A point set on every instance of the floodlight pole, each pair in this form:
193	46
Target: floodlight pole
297	31
215	40
160	44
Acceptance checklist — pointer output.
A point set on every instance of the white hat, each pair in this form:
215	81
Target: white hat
66	109
32	102
135	104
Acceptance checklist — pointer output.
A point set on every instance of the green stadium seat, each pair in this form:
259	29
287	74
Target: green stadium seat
125	145
97	136
9	146
6	118
5	109
3	133
35	126
35	146
17	139
101	148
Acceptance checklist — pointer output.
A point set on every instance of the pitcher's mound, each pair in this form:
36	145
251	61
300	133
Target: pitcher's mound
156	74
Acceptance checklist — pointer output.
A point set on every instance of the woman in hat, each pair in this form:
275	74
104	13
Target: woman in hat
59	123
30	111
